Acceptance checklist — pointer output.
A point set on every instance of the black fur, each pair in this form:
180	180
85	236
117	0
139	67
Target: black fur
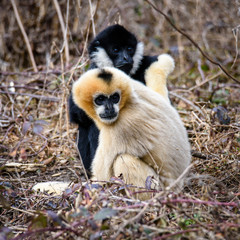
112	37
106	76
120	37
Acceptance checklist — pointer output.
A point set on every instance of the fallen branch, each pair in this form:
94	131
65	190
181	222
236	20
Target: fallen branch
170	235
188	102
209	203
44	230
29	74
201	155
43	98
19	167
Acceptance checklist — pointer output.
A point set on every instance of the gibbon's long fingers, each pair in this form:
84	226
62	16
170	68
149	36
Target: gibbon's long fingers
156	75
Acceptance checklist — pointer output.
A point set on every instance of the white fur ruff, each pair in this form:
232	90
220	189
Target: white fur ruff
137	58
101	58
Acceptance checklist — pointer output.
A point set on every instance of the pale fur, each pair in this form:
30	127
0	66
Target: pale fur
148	138
149	129
137	57
156	75
101	59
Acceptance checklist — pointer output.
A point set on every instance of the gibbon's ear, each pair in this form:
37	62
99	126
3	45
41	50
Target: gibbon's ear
156	75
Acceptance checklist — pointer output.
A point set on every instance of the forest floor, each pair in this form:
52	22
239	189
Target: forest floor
38	143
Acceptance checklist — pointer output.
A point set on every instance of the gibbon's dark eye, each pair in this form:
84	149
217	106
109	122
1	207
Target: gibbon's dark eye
115	97
97	43
99	100
130	50
115	50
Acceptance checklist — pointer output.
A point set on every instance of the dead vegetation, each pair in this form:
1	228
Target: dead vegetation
37	143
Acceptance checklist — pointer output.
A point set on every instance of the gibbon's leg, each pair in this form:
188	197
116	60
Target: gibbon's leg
134	171
156	74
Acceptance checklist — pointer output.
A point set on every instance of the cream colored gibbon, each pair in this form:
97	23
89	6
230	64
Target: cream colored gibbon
141	134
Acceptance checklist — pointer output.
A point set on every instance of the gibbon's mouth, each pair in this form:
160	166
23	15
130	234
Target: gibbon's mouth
108	118
125	67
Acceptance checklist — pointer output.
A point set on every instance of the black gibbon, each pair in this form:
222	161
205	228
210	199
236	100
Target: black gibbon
113	47
141	134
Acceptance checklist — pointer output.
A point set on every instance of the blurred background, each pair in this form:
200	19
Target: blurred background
43	50
214	25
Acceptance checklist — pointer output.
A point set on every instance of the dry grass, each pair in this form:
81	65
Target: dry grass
35	129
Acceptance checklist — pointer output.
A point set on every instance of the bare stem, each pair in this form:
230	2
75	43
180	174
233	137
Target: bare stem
64	30
24	35
92	19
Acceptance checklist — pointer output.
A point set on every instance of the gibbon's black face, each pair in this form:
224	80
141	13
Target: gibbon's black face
116	47
122	57
107	106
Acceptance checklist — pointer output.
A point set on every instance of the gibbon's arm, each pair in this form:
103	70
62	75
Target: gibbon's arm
156	80
103	160
156	75
143	66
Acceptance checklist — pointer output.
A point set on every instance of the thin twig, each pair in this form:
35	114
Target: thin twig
43	98
193	42
43	230
207	79
235	34
92	19
29	74
23	211
171	235
201	155
64	30
179	178
131	220
197	201
188	102
200	70
24	35
26	87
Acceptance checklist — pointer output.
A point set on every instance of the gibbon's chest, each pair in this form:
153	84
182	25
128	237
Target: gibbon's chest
132	137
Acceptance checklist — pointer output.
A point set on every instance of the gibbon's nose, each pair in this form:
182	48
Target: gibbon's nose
108	105
127	58
109	111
